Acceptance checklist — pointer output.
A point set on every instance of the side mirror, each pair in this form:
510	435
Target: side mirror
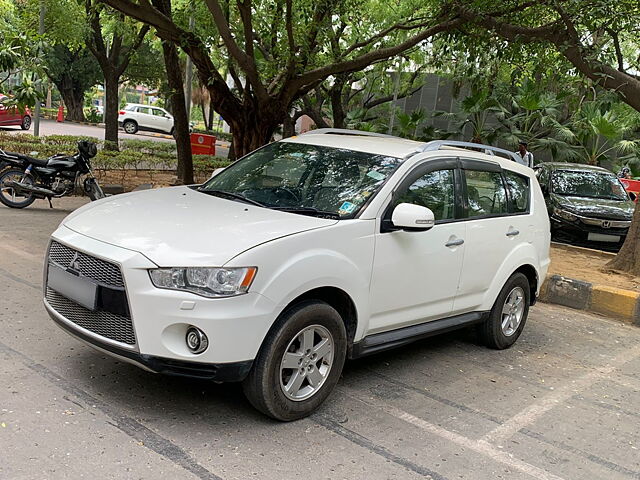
408	216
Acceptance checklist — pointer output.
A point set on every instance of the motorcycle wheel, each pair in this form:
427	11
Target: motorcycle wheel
8	195
93	189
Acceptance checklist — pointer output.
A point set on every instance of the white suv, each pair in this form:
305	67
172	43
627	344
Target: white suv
320	247
136	117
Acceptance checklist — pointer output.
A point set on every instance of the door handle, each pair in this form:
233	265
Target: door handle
513	233
454	243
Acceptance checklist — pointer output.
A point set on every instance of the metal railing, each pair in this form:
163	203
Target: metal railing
427	147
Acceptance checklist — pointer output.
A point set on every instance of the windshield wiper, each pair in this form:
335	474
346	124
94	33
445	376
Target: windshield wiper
234	196
308	211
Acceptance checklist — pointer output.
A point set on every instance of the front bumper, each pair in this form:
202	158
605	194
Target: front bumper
578	232
219	372
235	326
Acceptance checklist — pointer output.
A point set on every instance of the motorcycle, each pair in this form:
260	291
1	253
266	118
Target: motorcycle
23	179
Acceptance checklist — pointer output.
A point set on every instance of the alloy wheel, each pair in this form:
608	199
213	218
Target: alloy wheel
513	311
306	363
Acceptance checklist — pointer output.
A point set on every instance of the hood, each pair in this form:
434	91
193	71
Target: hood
596	207
182	227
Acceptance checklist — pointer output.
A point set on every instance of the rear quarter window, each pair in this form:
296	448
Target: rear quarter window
519	192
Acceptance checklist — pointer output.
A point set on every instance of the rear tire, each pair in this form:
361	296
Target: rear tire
26	122
299	362
7	194
130	127
508	315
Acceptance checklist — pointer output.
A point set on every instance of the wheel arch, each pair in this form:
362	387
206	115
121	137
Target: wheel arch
337	298
531	273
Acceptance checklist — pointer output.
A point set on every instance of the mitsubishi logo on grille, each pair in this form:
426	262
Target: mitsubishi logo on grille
74	264
606	224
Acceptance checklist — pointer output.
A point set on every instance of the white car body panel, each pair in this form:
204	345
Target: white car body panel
206	230
394	279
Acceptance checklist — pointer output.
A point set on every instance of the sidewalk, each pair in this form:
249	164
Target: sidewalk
615	298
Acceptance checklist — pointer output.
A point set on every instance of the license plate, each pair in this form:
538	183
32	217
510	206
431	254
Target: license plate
79	289
600	237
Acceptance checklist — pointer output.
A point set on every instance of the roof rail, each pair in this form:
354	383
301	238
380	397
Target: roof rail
487	149
345	131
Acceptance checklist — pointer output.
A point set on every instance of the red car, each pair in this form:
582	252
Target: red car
10	115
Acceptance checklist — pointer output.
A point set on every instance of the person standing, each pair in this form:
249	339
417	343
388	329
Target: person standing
525	157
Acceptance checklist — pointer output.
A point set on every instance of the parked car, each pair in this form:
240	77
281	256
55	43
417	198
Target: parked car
588	205
12	115
331	245
136	117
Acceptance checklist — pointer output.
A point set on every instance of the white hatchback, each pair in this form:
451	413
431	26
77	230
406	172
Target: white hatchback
326	246
136	117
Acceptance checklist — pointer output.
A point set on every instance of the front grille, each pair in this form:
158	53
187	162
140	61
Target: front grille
99	270
104	323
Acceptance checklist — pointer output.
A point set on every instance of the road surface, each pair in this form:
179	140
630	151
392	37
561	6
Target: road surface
561	404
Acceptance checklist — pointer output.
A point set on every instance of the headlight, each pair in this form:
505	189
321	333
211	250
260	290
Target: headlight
565	215
205	281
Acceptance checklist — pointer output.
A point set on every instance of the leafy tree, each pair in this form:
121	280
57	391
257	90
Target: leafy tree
113	40
73	71
277	53
598	38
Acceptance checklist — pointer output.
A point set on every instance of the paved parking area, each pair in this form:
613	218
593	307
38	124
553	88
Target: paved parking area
562	404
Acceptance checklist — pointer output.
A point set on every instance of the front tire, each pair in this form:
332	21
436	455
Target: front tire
508	315
299	362
26	122
8	195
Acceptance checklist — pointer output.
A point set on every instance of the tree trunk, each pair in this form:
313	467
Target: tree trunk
628	258
253	132
204	117
211	115
74	102
288	127
111	111
181	121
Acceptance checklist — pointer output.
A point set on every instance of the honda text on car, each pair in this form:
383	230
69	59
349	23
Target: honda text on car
326	246
587	205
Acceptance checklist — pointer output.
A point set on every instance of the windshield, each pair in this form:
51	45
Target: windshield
587	184
306	179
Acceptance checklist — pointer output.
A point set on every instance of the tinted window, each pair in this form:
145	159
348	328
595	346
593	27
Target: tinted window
158	113
486	194
587	184
144	110
518	186
435	190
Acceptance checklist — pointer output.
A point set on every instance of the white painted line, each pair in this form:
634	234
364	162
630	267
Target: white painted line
530	414
479	446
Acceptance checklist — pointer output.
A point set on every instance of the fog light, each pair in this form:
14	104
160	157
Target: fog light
197	341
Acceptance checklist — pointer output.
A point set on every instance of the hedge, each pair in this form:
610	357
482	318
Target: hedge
134	154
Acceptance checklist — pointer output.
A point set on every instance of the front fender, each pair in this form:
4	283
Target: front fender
291	266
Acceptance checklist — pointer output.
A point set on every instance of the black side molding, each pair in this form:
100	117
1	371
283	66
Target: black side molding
380	342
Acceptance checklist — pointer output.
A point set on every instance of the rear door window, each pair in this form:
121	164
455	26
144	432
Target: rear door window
519	192
486	194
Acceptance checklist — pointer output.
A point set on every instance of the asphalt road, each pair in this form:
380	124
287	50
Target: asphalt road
51	127
561	404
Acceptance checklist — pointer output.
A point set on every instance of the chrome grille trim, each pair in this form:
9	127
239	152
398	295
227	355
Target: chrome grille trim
598	222
101	271
106	326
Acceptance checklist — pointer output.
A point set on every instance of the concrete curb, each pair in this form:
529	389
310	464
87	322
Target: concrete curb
614	302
